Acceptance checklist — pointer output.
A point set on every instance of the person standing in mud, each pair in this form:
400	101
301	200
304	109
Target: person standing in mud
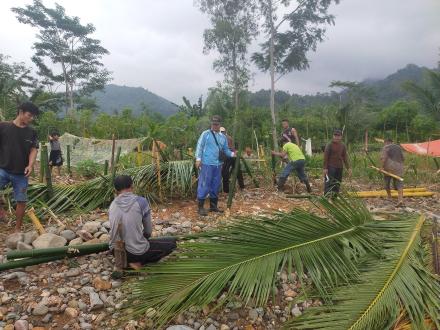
392	161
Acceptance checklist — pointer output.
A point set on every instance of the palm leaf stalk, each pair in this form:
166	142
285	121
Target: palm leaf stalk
245	258
97	192
399	281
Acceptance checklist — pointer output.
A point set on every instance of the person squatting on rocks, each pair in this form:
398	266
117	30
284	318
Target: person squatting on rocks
134	214
212	150
335	157
55	156
229	165
296	163
392	160
18	151
288	134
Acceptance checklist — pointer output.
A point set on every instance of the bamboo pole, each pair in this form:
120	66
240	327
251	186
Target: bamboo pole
157	157
106	167
393	194
47	171
73	250
118	155
233	182
42	168
386	173
139	155
35	221
248	171
112	159
69	170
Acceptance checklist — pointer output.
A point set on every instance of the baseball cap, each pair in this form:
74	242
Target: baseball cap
337	132
216	119
222	129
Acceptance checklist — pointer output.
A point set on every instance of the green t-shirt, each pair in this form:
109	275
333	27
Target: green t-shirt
294	153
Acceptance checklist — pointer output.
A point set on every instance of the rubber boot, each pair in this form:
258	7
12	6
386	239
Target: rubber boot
309	189
280	184
213	205
201	210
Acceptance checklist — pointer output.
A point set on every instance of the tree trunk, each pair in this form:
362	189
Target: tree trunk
272	77
236	92
66	82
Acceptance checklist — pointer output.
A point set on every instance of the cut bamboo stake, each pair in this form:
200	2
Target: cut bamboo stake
69	170
106	167
41	178
249	172
47	171
72	250
139	155
393	194
37	224
112	159
386	173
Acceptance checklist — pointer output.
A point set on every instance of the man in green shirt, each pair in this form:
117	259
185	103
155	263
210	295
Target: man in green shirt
296	163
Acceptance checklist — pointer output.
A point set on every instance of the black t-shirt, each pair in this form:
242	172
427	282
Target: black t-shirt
15	146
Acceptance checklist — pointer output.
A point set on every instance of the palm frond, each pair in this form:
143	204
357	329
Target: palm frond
244	258
398	281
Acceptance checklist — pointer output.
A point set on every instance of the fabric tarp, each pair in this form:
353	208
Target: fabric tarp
431	148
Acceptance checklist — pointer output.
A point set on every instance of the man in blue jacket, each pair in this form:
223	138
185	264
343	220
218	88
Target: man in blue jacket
212	148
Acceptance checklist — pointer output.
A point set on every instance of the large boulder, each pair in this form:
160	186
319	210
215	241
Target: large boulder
13	239
49	240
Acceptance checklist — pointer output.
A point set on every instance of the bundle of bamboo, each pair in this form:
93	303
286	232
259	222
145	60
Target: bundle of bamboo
407	192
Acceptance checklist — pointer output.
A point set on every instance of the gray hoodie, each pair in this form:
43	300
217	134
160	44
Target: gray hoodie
135	214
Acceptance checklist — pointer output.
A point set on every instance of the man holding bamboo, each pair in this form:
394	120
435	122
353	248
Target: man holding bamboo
392	161
18	151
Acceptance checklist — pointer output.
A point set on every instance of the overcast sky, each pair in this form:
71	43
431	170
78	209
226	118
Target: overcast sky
157	44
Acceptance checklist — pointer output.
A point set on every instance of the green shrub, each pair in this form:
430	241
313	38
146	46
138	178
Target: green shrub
88	168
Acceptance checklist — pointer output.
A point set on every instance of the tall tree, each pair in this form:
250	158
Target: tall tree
285	49
67	44
233	27
15	80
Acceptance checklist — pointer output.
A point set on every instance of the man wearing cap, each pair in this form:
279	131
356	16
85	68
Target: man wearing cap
229	165
392	161
335	158
212	150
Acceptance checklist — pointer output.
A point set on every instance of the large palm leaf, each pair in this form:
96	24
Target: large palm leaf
398	282
244	259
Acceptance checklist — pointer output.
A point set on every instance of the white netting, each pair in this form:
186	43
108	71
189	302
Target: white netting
97	150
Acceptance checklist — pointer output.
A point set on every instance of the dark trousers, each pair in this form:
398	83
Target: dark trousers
159	248
334	183
297	167
228	167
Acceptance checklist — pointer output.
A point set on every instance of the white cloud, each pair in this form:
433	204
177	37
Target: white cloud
158	44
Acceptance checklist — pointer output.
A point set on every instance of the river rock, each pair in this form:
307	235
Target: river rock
101	285
22	246
40	310
49	240
76	241
92	226
30	236
68	234
179	327
104	238
95	301
71	312
13	239
85	235
21	325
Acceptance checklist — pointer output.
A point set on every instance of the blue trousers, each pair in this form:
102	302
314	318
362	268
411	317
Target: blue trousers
209	181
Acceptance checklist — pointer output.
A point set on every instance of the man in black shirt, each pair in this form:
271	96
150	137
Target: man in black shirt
288	134
18	151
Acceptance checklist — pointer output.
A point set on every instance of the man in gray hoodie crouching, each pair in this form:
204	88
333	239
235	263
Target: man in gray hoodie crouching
134	214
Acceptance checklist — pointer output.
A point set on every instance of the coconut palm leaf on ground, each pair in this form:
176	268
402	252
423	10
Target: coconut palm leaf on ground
86	196
244	259
400	281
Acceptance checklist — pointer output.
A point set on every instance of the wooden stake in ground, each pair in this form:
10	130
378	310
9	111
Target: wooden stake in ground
47	171
35	221
41	178
233	182
69	170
